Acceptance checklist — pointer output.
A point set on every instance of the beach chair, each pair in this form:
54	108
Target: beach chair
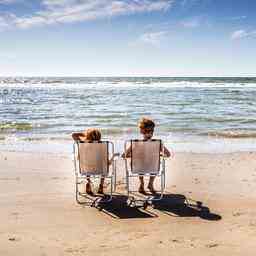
91	160
145	159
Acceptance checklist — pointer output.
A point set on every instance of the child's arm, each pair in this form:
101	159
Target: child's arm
78	136
165	152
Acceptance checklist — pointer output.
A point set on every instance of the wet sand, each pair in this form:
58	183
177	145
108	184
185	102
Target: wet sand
39	214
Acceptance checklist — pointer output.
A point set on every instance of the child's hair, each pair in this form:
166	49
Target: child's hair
93	134
146	125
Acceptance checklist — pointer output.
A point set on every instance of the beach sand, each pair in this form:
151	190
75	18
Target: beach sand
39	214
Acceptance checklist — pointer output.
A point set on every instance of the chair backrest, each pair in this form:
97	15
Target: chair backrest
145	156
93	158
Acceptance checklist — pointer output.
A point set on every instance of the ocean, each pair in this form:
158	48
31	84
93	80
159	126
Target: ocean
191	114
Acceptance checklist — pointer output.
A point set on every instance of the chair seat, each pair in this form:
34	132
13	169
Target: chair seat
145	172
88	174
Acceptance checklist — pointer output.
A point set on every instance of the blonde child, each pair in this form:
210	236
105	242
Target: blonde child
147	127
90	135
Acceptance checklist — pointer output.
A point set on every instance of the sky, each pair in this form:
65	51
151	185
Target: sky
127	38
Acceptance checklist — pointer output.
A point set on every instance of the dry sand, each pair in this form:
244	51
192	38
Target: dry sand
39	214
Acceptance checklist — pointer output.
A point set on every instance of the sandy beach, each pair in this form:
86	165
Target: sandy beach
39	214
177	71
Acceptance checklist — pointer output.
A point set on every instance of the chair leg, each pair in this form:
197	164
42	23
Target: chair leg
77	194
111	189
162	184
127	185
115	177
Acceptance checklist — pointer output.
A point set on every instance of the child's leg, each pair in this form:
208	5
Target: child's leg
141	187
100	190
151	184
88	187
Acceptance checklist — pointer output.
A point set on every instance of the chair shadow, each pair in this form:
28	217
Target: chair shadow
118	209
177	205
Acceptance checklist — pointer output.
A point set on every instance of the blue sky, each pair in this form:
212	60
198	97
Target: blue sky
128	37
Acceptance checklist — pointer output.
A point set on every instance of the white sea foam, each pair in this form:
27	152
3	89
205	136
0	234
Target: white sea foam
55	107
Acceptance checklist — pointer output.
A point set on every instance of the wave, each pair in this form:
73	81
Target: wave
7	127
231	134
15	126
128	82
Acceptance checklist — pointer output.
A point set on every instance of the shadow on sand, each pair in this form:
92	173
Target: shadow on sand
174	205
119	209
177	205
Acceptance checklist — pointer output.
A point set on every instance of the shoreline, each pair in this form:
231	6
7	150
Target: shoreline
65	146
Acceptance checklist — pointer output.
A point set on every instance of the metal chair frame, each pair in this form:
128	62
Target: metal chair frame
80	177
161	173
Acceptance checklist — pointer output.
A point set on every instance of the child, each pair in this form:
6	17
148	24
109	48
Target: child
90	135
146	127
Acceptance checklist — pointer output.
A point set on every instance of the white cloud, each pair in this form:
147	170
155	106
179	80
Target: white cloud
70	11
3	24
153	38
238	34
6	20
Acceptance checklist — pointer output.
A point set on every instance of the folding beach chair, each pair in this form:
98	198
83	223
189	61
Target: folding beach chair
146	159
91	160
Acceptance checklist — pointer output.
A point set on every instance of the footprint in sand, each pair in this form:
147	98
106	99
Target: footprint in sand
176	241
5	179
252	223
137	236
237	214
211	245
59	178
75	250
13	239
197	181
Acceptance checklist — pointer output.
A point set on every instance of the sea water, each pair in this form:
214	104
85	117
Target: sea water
191	114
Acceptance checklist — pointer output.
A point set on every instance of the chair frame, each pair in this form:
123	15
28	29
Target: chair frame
161	173
81	178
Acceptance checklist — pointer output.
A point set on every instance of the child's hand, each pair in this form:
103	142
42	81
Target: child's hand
171	153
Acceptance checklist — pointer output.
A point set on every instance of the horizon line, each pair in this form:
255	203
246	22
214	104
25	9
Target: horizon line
127	76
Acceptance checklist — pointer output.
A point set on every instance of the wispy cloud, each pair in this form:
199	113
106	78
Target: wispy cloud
153	38
190	3
3	24
238	34
192	22
71	11
196	21
242	17
7	1
5	21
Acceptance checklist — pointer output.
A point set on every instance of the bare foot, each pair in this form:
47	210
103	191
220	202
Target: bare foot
88	189
142	190
100	190
151	188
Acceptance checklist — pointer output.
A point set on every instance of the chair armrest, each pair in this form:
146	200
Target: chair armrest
114	157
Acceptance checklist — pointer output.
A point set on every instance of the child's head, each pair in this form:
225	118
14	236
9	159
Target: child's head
146	126
92	135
